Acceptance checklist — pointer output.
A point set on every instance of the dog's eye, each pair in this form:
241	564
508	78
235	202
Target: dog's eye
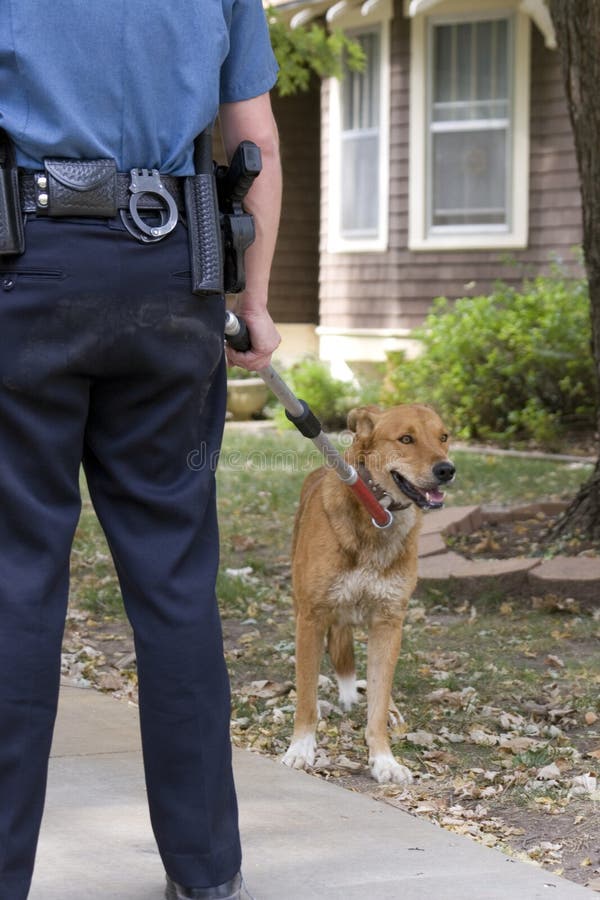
444	438
406	439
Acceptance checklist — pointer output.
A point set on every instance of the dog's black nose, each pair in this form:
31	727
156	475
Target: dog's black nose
444	471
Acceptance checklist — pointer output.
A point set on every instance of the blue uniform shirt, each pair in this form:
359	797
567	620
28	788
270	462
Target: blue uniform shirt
133	80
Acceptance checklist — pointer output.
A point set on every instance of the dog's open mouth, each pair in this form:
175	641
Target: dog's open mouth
431	499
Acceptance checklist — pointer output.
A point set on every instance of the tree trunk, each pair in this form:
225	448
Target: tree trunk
577	26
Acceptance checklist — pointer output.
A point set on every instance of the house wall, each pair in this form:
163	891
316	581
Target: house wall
293	295
392	291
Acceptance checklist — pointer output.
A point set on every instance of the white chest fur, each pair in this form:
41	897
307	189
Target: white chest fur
375	586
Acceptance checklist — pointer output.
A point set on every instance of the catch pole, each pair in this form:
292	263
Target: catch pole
300	414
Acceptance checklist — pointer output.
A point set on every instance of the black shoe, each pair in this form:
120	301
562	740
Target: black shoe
230	890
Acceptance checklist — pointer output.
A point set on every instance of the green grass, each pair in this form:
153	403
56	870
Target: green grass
93	578
278	462
484	478
259	480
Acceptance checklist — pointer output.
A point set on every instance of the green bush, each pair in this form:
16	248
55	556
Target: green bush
329	398
512	366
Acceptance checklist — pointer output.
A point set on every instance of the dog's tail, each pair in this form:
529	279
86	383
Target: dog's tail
340	646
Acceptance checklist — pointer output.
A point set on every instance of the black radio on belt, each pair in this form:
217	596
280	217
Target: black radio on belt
233	183
218	266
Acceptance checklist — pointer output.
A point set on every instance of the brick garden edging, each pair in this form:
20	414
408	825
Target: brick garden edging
443	569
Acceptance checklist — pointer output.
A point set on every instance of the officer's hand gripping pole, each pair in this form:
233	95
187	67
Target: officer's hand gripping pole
300	414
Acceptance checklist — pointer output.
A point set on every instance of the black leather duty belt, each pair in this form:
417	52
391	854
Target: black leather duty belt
73	188
33	187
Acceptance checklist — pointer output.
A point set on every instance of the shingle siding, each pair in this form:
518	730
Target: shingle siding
394	289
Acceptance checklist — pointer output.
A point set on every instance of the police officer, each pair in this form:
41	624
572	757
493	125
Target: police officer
108	358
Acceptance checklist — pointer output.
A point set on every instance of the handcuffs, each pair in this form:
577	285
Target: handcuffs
148	181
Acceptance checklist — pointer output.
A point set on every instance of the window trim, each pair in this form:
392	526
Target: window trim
353	21
419	163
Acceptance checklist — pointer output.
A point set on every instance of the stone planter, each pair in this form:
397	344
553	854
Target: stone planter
246	397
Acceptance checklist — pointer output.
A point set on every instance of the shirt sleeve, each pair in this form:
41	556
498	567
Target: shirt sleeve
250	68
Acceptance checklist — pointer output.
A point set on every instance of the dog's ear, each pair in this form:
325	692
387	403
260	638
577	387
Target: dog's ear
362	420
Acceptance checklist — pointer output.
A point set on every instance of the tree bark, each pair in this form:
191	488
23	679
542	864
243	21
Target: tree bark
577	26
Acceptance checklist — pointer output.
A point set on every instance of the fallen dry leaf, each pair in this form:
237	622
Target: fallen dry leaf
421	738
110	681
266	689
583	785
548	773
483	738
517	744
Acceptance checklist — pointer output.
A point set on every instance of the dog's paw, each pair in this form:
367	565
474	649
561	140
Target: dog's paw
301	752
386	770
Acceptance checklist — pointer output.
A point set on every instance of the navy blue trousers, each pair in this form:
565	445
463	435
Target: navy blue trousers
107	359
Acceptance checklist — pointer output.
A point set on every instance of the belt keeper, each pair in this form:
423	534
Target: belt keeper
41	190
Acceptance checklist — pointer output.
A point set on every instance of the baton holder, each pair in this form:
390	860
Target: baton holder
12	232
204	233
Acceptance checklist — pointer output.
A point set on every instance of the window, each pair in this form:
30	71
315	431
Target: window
360	135
359	147
469	126
469	131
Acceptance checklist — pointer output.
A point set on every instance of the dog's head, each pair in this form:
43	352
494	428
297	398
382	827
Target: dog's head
405	450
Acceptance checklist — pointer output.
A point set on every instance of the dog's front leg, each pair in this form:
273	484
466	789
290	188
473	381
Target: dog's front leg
384	642
310	637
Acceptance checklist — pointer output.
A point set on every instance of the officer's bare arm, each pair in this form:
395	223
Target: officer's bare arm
253	120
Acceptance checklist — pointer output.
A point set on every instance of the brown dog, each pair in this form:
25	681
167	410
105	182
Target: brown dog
346	572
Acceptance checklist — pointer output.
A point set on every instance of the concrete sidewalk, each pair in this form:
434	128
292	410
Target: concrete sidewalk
304	838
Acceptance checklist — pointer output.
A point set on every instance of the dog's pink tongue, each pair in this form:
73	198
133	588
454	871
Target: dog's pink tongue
436	496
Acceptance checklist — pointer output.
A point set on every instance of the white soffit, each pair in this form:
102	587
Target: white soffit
536	9
337	10
370	6
540	14
302	14
416	7
302	18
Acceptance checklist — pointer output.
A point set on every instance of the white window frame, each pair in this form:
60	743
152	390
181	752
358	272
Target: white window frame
355	21
477	237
